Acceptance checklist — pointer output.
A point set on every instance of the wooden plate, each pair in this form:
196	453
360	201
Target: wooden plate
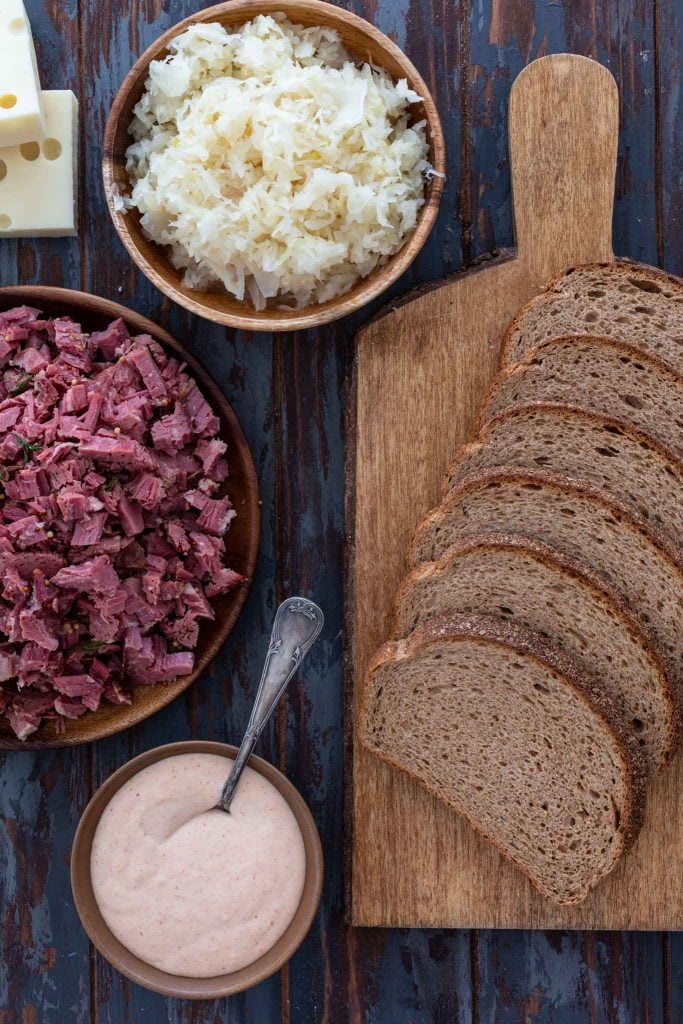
242	539
365	43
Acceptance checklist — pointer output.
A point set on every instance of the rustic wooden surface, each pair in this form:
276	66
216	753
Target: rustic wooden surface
420	374
289	394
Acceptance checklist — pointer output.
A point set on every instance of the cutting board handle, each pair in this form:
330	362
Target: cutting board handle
563	125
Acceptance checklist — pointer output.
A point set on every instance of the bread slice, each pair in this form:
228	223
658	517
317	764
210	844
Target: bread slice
532	584
595	373
580	521
600	450
507	730
625	300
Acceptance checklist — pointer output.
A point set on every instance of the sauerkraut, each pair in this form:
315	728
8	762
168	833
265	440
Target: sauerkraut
272	165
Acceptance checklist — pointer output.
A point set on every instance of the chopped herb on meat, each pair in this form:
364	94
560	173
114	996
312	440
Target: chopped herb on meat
23	383
28	448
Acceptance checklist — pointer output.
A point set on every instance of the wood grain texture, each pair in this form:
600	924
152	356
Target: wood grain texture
46	956
421	372
468	54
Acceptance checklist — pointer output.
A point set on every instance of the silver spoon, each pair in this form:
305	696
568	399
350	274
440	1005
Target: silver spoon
296	627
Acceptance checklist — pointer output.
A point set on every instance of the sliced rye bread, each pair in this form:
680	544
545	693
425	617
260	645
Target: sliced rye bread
581	521
505	728
599	450
536	586
637	304
601	374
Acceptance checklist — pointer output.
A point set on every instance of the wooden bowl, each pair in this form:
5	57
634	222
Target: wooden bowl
242	539
365	43
151	977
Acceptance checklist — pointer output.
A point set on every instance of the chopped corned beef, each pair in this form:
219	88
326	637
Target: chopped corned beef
36	628
31	360
27	531
89	530
142	359
72	504
110	339
27	563
222	581
215	516
74	686
131	517
184	631
25	711
75	399
34	658
204	421
108	449
172	432
97	576
70	707
9	414
111	517
147	490
92	415
178	537
196	499
8	664
18	315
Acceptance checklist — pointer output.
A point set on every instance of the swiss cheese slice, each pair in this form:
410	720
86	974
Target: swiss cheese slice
38	179
22	116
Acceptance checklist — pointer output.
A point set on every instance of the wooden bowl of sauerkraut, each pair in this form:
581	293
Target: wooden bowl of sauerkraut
273	165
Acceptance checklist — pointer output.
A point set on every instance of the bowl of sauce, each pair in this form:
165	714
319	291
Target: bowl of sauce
188	900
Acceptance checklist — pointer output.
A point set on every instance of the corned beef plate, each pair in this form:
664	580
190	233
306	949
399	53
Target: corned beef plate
113	513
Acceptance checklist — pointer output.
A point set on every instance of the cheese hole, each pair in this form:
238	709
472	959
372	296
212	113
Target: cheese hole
3	170
8	100
17	25
52	149
5	221
30	150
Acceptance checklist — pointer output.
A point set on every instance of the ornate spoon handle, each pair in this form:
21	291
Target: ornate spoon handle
296	627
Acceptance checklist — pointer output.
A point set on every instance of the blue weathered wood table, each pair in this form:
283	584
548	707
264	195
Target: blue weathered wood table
289	394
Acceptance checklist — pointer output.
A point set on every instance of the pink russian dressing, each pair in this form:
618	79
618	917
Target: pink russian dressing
192	890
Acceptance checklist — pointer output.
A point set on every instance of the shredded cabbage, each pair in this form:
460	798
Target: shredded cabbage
272	165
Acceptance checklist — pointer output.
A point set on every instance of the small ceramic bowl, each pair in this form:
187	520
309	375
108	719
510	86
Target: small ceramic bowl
151	977
365	43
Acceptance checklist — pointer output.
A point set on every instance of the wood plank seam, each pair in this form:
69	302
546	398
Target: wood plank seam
465	190
278	393
658	133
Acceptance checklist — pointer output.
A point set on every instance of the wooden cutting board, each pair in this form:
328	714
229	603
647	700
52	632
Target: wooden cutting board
421	371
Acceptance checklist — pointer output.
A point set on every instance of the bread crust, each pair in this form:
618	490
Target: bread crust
576	412
654	363
542	552
512	636
620	266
